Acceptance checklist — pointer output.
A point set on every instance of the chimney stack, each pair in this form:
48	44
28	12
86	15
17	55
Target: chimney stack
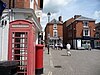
77	16
60	18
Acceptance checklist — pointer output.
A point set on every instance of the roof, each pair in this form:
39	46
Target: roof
84	18
54	21
98	24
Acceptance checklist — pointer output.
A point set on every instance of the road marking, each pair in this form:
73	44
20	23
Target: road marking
49	73
71	68
50	53
51	62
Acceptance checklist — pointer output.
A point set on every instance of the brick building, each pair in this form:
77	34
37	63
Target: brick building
35	4
97	35
24	17
54	32
79	31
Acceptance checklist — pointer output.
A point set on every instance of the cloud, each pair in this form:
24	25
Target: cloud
97	14
54	6
44	18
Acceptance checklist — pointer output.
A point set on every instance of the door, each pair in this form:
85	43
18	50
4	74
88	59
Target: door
19	51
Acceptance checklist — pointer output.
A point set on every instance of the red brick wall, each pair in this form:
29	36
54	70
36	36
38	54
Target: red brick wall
23	4
79	28
49	29
92	26
65	30
19	4
60	30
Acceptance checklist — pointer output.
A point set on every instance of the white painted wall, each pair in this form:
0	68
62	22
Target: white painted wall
19	16
32	4
4	40
79	43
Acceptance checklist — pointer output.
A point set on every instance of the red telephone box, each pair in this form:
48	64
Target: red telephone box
22	46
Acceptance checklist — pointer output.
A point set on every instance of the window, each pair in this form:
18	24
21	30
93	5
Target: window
3	22
85	23
97	35
55	26
86	32
55	34
70	27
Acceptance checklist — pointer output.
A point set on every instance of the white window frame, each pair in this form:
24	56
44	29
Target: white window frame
55	33
55	26
84	32
85	23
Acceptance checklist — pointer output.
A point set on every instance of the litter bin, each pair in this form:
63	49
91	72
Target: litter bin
39	59
8	67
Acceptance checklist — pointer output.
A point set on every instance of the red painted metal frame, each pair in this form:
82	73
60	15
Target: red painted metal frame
31	43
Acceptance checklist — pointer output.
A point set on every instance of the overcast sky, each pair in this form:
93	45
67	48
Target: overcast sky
69	8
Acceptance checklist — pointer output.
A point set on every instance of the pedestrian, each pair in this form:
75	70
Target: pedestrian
68	46
56	46
89	47
61	46
48	48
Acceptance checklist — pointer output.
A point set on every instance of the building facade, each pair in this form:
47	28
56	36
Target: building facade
79	31
19	31
54	32
30	10
34	4
97	35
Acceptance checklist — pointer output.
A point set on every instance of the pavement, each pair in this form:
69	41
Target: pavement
81	62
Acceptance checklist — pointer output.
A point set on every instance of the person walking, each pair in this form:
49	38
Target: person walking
68	46
89	47
56	46
61	46
48	48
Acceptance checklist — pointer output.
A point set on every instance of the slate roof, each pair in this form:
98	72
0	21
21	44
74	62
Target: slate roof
84	18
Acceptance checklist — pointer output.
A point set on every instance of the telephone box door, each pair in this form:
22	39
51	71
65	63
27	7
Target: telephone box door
21	47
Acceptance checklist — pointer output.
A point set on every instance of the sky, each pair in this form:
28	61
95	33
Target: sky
68	8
